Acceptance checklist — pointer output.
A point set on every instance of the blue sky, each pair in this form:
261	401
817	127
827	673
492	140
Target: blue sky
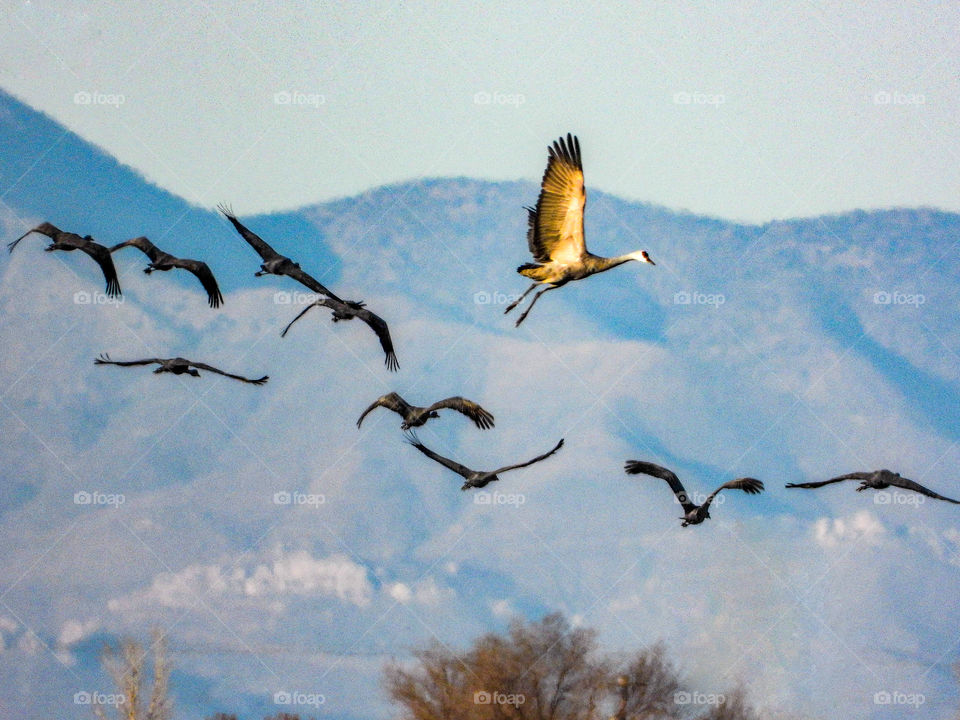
817	600
737	110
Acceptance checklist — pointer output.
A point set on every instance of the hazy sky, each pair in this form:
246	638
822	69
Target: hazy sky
739	110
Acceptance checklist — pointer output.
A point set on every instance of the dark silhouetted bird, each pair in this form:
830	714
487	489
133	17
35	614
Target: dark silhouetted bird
160	260
693	514
347	311
177	366
474	478
68	241
878	480
414	416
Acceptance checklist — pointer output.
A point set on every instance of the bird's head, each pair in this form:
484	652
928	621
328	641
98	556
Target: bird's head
194	372
433	414
642	256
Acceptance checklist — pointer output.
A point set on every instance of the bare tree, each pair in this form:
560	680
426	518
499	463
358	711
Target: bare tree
127	666
652	684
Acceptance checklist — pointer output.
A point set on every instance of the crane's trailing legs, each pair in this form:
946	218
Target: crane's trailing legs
534	302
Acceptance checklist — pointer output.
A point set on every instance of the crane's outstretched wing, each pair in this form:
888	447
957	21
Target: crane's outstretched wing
104	359
43	228
310	282
300	315
377	324
256	242
639	467
751	486
537	459
390	401
821	483
143	244
906	484
461	470
555	227
480	417
101	254
206	278
204	366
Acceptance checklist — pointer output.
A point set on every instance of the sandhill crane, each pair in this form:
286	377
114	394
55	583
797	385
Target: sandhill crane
414	416
69	241
474	478
273	262
693	514
160	260
555	228
177	366
349	310
878	480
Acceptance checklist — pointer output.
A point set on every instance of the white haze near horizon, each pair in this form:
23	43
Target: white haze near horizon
744	111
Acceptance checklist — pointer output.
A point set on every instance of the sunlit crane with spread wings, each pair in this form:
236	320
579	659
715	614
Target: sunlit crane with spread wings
68	242
348	311
878	480
474	478
276	264
414	416
178	366
163	261
555	228
693	514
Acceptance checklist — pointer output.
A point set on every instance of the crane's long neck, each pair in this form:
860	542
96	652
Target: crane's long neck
601	264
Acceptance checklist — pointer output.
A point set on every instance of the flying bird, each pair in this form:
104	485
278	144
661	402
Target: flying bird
474	478
348	311
878	480
693	514
414	416
177	366
555	228
68	242
273	262
160	260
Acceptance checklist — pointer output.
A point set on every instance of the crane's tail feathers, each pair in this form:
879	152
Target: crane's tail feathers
533	271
